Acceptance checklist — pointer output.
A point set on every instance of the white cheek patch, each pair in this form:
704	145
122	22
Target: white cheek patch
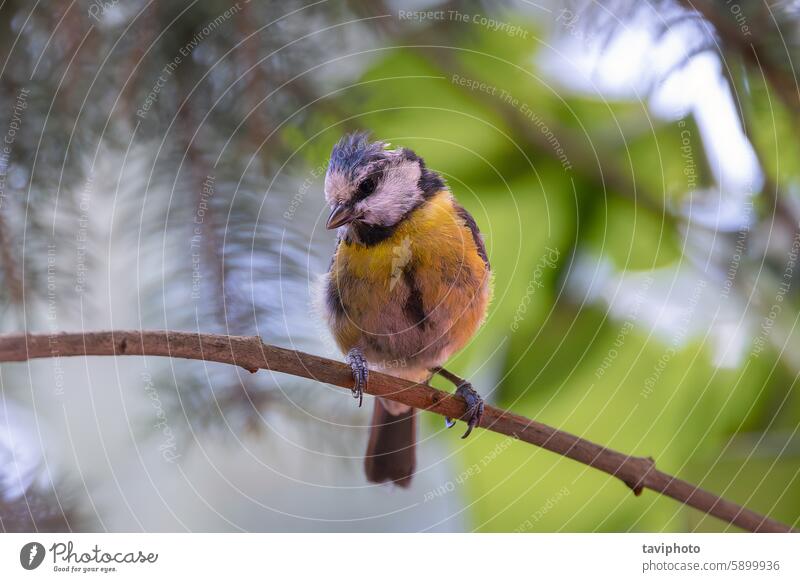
337	188
397	194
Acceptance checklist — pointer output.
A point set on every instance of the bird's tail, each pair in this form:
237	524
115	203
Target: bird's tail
391	451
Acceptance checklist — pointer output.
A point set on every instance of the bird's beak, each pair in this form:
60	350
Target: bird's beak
340	215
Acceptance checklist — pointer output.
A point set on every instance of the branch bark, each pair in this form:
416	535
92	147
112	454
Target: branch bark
252	354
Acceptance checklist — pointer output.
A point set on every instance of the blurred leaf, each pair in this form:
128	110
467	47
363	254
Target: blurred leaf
633	236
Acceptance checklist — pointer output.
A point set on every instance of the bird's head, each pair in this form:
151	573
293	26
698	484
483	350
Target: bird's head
370	185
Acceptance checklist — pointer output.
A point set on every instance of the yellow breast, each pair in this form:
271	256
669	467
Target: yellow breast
419	294
434	237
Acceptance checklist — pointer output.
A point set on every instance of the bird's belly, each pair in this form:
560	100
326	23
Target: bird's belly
418	321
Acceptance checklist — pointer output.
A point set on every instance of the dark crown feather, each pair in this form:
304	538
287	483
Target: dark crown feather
353	151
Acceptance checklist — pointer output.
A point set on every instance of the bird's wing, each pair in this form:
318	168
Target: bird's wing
476	233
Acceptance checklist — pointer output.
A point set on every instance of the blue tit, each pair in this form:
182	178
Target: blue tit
408	285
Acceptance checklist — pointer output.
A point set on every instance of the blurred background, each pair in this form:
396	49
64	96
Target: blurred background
632	165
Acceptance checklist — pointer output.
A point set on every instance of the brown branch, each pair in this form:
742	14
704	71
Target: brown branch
251	353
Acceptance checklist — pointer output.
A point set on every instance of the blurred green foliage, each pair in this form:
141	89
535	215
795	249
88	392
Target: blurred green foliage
551	176
544	361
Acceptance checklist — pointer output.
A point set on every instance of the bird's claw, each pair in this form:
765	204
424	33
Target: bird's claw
474	411
358	364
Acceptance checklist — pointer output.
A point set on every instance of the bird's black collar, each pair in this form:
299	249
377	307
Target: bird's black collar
367	234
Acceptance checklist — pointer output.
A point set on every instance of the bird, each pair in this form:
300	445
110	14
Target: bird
408	286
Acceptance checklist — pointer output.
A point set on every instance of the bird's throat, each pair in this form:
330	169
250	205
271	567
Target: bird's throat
367	234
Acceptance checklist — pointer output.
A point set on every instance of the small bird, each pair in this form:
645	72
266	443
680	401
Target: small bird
408	286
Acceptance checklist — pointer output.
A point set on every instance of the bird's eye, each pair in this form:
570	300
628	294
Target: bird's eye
367	186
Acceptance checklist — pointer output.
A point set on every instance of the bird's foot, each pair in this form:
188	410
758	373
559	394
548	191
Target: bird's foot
358	364
474	407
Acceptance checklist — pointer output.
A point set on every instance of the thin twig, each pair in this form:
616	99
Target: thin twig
251	353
